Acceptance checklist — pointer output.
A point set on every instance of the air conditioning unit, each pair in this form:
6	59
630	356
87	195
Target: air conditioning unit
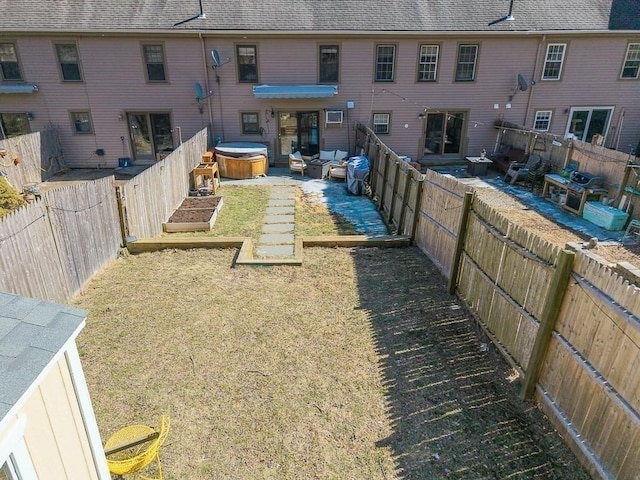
334	117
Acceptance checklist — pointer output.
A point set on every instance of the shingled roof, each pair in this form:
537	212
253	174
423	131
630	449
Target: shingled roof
32	333
317	16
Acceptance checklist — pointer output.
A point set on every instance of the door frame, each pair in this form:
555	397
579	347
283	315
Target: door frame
297	114
154	148
590	109
463	134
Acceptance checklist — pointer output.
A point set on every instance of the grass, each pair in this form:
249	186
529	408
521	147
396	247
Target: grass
314	218
358	365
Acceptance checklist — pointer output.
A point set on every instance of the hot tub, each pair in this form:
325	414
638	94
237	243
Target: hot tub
239	160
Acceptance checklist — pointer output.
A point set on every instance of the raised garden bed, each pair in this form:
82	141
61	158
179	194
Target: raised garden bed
195	214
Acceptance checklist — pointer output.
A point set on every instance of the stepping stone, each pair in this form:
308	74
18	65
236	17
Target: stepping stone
278	228
280	210
275	250
279	219
276	238
281	202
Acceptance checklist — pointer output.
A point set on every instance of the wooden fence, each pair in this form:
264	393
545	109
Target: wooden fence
576	344
38	157
148	200
395	185
51	247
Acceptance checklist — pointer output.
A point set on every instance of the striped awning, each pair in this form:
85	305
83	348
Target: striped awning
294	91
18	88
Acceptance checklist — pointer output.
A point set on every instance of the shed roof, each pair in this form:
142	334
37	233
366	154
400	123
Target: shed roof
32	333
317	16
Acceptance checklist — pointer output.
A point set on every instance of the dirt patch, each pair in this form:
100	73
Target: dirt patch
195	209
522	215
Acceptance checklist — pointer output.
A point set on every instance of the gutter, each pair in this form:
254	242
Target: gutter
206	85
316	33
543	39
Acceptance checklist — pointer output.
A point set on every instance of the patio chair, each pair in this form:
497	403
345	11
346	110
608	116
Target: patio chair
338	170
131	449
535	177
519	170
297	163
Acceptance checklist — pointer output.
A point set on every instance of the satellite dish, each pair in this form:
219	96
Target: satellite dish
522	83
215	56
199	92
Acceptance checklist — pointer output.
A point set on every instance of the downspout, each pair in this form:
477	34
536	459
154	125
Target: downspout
206	86
533	79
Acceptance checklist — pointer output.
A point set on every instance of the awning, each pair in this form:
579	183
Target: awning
18	88
294	91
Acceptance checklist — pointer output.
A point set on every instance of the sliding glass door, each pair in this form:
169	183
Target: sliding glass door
585	122
151	134
444	133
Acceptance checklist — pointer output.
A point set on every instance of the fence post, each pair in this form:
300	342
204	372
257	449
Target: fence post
405	195
416	209
385	171
462	233
548	319
394	190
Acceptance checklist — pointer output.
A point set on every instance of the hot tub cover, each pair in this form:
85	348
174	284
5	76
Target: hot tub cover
242	149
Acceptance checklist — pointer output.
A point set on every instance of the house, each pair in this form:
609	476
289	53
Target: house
124	79
47	425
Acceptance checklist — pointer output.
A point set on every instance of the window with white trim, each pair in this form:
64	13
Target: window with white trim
542	121
554	60
385	61
381	123
428	63
15	462
631	66
466	65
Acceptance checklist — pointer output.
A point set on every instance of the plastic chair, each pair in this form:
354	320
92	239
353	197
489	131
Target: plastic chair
518	170
131	449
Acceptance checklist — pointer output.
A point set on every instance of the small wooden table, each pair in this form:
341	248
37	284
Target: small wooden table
477	166
205	170
578	196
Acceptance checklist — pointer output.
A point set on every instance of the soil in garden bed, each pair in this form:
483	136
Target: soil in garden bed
195	209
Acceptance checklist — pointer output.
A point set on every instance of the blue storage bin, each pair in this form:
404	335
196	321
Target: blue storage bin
604	216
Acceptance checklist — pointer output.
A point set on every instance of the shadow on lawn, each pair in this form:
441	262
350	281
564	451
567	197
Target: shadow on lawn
454	411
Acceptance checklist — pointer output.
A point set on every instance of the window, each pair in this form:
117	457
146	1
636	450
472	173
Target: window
585	122
466	66
428	63
631	66
553	61
154	59
328	63
14	124
381	123
385	58
247	64
542	121
69	62
81	122
9	66
250	122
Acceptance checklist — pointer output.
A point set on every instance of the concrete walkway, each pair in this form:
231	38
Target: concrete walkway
278	238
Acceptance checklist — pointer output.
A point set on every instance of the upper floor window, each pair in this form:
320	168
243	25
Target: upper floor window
9	65
250	122
14	124
553	61
154	60
466	65
381	122
385	60
69	62
247	63
428	63
81	122
631	66
328	63
542	122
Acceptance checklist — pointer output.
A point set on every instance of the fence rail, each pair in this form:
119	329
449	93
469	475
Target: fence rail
588	371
